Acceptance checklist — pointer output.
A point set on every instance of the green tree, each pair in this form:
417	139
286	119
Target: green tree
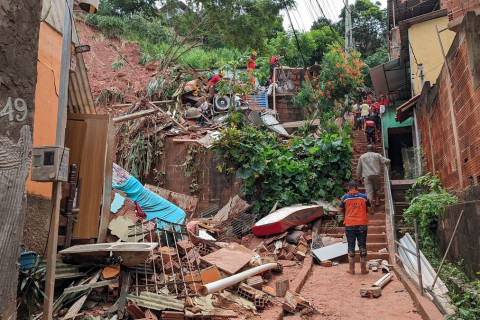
236	23
127	7
369	26
320	23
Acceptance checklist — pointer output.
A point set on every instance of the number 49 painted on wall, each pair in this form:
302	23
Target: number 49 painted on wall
18	106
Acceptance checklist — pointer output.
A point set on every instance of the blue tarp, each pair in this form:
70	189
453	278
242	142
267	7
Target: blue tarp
152	204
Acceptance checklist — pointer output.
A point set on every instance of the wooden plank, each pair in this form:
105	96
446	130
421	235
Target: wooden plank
185	202
133	116
90	176
89	286
297	124
122	300
75	308
107	183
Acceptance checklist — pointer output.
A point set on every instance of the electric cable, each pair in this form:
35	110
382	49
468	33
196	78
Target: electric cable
295	34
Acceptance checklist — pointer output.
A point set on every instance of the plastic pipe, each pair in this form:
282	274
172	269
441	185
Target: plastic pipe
230	281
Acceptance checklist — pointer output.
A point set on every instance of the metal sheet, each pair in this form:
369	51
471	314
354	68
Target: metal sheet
53	12
332	251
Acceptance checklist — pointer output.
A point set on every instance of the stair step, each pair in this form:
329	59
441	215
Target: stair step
375	246
373	255
371	230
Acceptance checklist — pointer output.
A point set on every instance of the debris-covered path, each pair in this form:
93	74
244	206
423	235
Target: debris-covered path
337	294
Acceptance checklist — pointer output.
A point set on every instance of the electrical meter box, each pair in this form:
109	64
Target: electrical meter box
50	164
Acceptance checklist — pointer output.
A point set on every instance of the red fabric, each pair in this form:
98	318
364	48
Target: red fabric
251	64
214	80
273	59
385	102
140	212
355	209
370	123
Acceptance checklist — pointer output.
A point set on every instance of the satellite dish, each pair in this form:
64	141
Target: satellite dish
90	6
222	103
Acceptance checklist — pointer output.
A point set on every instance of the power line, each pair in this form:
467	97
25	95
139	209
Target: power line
295	34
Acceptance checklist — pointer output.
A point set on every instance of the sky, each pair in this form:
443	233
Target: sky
308	11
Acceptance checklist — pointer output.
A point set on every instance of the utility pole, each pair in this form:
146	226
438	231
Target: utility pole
348	28
19	29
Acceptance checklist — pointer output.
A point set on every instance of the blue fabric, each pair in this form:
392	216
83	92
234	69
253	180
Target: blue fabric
117	203
152	204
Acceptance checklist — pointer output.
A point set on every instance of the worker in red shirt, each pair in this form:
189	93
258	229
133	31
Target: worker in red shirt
251	67
216	78
370	130
355	205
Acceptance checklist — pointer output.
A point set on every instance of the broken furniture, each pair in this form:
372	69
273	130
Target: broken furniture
285	218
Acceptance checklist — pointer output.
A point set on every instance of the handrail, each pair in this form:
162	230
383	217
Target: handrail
389	193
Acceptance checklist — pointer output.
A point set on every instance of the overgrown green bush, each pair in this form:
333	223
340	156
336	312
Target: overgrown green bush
298	170
427	204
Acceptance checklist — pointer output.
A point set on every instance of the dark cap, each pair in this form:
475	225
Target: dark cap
352	185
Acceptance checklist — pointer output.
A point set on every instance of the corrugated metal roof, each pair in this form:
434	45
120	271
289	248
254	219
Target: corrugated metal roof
80	98
405	110
53	12
158	302
391	79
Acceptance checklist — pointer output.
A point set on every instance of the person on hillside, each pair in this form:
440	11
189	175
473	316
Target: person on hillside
355	205
274	63
215	79
370	130
251	67
364	111
375	116
369	170
212	83
357	117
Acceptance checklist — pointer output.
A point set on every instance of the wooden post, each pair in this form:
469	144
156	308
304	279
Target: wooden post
60	141
107	183
274	89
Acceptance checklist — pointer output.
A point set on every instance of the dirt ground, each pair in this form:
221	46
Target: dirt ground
337	295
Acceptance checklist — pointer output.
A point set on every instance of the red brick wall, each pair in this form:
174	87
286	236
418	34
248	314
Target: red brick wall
439	142
215	187
458	8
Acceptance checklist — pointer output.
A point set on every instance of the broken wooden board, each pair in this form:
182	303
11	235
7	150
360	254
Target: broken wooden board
77	305
234	206
185	202
230	259
332	251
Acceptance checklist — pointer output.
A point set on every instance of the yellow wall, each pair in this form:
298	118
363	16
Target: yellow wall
426	49
46	99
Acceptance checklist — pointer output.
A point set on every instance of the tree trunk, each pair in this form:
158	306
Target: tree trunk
19	28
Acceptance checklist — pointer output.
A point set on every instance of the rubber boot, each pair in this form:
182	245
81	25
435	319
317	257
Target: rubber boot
363	265
351	265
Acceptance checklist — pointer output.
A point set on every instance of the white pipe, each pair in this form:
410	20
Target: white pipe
230	281
383	280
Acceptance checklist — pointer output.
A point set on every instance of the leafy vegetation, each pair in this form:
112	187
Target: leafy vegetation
325	96
289	171
30	289
427	204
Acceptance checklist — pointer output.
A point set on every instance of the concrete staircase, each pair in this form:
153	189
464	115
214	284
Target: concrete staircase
377	238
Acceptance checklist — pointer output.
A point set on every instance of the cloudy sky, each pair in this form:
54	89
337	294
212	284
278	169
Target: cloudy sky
307	11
